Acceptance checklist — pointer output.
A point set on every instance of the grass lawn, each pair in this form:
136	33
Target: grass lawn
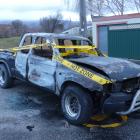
9	42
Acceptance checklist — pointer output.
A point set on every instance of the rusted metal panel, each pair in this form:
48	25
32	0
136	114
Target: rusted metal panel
116	69
21	63
41	72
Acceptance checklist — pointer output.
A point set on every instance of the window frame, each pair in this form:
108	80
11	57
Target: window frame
23	41
43	40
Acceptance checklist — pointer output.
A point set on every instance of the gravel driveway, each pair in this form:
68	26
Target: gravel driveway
27	113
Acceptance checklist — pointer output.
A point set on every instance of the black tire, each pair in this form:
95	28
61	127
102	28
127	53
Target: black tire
85	105
5	80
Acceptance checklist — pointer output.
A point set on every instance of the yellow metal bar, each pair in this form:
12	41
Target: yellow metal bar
74	47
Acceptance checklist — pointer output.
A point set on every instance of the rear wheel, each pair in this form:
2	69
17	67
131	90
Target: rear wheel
5	79
77	104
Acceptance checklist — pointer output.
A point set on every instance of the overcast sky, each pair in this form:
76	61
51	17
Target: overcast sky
33	9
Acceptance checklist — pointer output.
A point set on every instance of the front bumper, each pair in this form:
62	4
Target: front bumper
135	105
122	103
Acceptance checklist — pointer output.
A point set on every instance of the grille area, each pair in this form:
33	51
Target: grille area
127	86
131	85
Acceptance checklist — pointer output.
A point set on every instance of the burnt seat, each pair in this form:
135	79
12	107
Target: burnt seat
47	53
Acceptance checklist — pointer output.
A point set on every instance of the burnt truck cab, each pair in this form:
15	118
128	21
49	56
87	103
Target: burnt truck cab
81	97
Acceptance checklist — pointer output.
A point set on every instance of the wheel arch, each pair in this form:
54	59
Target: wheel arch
72	83
7	66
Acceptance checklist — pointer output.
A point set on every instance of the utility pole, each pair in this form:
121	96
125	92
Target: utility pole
83	20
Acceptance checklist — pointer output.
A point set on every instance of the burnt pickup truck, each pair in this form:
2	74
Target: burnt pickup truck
69	66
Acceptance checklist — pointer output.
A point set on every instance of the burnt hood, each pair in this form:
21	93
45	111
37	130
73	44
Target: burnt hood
115	68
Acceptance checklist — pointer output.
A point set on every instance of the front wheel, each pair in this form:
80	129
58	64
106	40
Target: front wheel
5	80
77	105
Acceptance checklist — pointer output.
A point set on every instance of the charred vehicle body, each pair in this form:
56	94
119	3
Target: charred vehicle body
70	67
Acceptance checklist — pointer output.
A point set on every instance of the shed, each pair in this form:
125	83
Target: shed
118	36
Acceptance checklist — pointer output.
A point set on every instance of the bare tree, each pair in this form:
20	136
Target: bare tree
5	30
96	7
52	24
116	7
137	5
73	4
18	27
80	5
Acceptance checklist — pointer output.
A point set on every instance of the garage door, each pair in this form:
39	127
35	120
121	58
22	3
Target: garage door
124	41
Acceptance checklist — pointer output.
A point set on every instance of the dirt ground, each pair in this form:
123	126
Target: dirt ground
27	113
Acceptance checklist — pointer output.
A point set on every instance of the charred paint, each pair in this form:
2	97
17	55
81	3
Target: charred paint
44	72
116	69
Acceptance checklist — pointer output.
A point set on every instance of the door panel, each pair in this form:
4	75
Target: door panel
21	63
41	71
22	56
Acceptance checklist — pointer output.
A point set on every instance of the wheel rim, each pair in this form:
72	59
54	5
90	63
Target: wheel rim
72	105
2	77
